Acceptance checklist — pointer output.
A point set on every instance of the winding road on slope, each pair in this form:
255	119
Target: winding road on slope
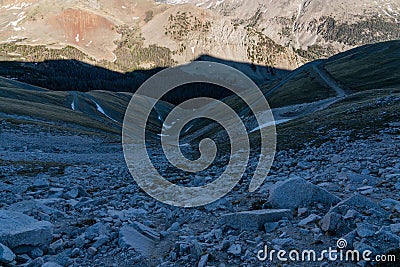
328	79
316	65
301	110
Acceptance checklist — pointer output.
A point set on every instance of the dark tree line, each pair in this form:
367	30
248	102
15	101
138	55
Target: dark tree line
72	75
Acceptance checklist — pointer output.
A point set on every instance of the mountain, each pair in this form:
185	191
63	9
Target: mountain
144	34
68	70
368	71
311	24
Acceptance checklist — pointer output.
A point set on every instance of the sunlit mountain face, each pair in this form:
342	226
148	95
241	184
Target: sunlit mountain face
129	35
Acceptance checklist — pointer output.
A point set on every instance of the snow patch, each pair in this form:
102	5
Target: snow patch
20	17
190	127
16	6
101	110
271	123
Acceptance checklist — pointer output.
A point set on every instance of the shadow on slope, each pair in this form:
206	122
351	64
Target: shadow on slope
73	75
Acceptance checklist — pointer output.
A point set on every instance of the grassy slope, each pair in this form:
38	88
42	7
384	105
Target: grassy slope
41	106
358	116
364	68
305	87
368	67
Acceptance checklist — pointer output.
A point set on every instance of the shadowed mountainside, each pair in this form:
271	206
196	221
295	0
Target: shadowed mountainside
306	94
73	75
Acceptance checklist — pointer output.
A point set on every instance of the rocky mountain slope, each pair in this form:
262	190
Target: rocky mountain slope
127	35
312	23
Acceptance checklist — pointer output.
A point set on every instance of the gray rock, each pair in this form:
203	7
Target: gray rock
367	192
135	213
132	238
96	230
269	227
27	207
365	230
395	228
297	192
71	194
301	211
92	251
363	188
18	229
282	242
361	247
23	258
350	238
310	219
356	178
203	261
6	255
80	241
397	186
35	253
336	159
359	203
82	192
51	264
235	249
63	258
75	192
386	241
38	262
75	252
147	231
350	214
55	246
174	227
101	240
254	220
331	222
41	183
195	250
390	204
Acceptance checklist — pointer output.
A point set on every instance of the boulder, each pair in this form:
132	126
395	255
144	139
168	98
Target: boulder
41	183
130	237
6	255
18	229
395	228
360	204
355	178
310	219
235	249
38	262
365	230
297	192
331	222
254	220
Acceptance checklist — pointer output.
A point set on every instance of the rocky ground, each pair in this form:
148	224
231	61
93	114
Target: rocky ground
67	199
